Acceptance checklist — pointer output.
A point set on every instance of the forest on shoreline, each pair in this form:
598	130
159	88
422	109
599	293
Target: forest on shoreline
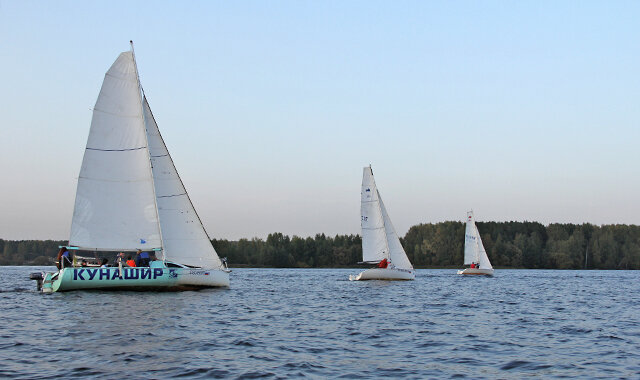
529	245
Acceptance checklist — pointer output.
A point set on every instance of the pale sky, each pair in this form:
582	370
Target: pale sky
521	110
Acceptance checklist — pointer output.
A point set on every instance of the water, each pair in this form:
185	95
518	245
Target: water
277	323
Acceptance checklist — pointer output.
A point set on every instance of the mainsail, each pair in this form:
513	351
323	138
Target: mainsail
379	238
184	238
374	239
115	207
129	193
474	251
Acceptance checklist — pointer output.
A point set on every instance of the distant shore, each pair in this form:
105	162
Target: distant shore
512	245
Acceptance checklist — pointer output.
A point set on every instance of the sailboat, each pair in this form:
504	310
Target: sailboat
474	252
380	242
130	197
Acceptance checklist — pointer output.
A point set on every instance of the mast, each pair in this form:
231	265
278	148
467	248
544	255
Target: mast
586	256
146	138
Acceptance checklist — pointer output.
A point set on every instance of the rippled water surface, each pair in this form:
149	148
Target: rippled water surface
277	323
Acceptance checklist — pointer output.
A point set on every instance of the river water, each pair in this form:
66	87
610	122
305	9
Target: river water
282	323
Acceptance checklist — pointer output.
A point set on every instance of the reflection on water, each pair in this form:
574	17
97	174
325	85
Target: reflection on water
314	322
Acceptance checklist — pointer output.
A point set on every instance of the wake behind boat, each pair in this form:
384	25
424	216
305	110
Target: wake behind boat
129	198
380	242
474	253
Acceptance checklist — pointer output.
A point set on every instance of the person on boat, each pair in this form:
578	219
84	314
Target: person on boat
130	262
473	265
104	263
142	259
120	259
83	263
67	260
383	264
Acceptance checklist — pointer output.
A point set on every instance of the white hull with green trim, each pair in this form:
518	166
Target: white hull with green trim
133	279
130	197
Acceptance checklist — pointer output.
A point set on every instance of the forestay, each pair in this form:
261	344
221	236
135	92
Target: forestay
184	238
115	206
374	240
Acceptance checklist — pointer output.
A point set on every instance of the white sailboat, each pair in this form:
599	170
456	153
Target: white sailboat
130	197
474	252
380	243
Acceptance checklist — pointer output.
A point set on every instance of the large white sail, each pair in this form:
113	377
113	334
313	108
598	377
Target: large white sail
396	253
374	239
185	240
474	251
115	207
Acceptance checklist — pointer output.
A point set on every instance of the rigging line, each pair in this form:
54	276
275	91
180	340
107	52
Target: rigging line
116	150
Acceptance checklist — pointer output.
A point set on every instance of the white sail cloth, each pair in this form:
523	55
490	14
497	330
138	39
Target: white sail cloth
129	193
115	203
374	239
379	238
474	251
184	239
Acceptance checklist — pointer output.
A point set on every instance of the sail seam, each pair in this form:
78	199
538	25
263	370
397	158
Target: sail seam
116	150
112	180
116	114
169	196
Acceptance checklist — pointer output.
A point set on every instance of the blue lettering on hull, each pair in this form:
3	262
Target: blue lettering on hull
107	274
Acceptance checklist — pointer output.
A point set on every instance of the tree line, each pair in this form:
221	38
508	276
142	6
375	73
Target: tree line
508	245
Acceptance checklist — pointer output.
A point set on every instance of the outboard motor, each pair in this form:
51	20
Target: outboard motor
38	277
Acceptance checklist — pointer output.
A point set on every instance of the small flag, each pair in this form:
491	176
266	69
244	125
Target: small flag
206	273
142	241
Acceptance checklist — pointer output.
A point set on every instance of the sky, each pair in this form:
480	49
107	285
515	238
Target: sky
519	110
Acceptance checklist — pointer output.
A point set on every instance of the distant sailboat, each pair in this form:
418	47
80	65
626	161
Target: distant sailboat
380	243
474	252
130	197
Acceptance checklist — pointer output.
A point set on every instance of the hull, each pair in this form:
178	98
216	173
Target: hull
157	279
476	272
385	274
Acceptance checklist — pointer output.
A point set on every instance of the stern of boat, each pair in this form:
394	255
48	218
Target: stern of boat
388	274
476	272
